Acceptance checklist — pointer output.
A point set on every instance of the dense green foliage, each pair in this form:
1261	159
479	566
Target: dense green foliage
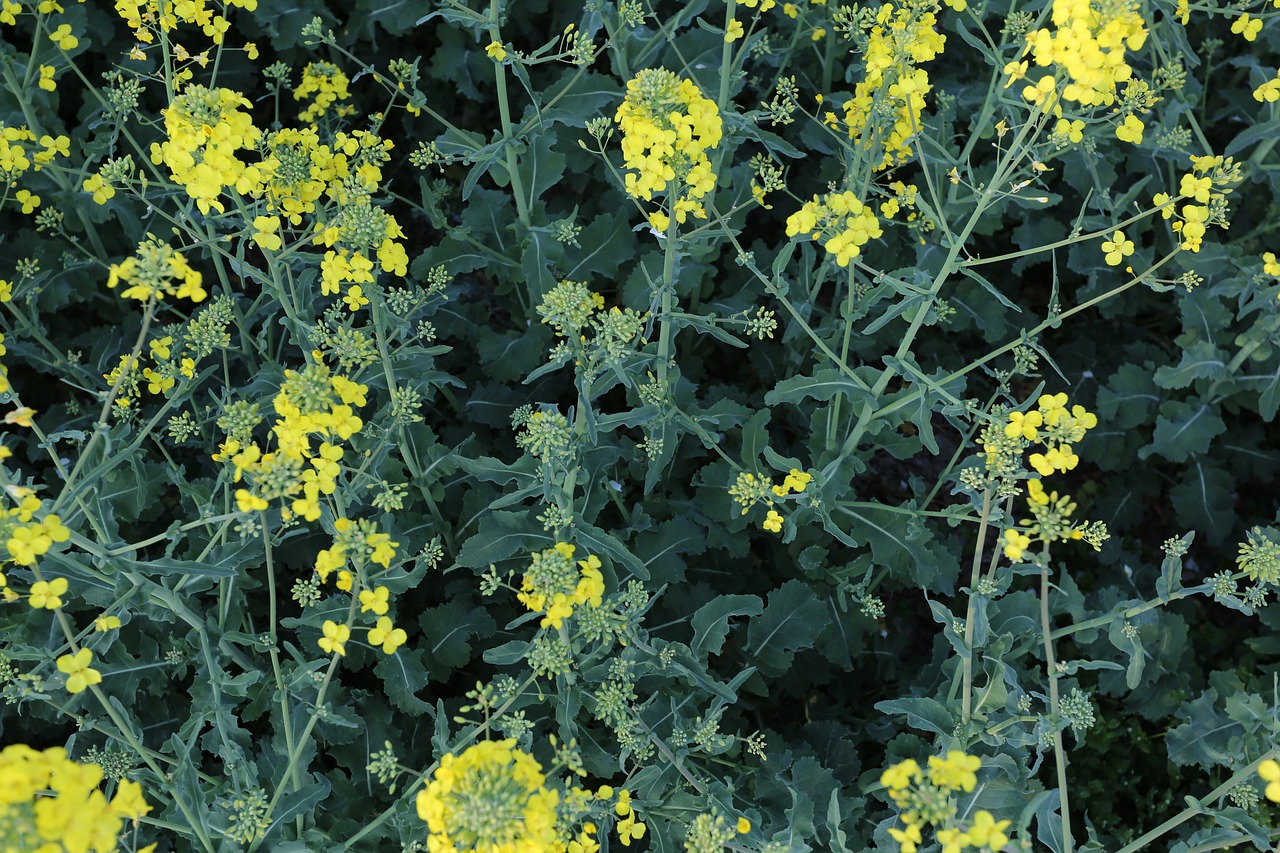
389	377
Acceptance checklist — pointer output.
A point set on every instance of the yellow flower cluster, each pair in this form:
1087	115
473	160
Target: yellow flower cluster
147	18
50	803
839	221
170	362
206	132
490	799
22	151
157	271
1087	41
667	129
925	800
1206	188
749	490
325	83
310	402
898	39
554	584
32	539
357	543
1056	428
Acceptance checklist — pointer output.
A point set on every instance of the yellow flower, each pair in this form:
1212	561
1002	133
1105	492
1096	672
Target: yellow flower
744	826
734	32
1015	544
772	522
956	771
496	51
46	79
374	600
1270	265
355	298
335	637
1024	424
1117	248
47	594
908	838
249	502
79	674
1131	130
1247	26
1269	770
264	232
105	623
987	832
388	636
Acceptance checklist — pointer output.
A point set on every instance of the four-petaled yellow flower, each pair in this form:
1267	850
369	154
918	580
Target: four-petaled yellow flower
1131	130
335	637
1247	26
79	674
388	636
1270	265
734	32
496	51
47	595
1024	424
772	522
1117	248
374	600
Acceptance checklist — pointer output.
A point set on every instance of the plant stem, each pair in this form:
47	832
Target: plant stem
975	573
504	114
1051	667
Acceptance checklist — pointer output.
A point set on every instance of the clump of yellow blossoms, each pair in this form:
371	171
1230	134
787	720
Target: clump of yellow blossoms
1056	428
21	151
357	543
206	131
1088	42
839	221
147	18
899	38
157	271
749	490
1205	188
925	799
489	799
326	84
25	538
667	129
50	803
554	584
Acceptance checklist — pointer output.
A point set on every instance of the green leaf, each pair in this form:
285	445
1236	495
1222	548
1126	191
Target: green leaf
1200	360
1184	430
1205	501
711	622
922	713
446	634
1205	739
822	386
792	621
1128	397
500	535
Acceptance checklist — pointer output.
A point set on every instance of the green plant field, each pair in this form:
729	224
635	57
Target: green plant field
521	426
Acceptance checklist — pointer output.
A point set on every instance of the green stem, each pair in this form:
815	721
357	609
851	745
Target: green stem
275	654
1197	807
1051	667
668	292
975	574
504	113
